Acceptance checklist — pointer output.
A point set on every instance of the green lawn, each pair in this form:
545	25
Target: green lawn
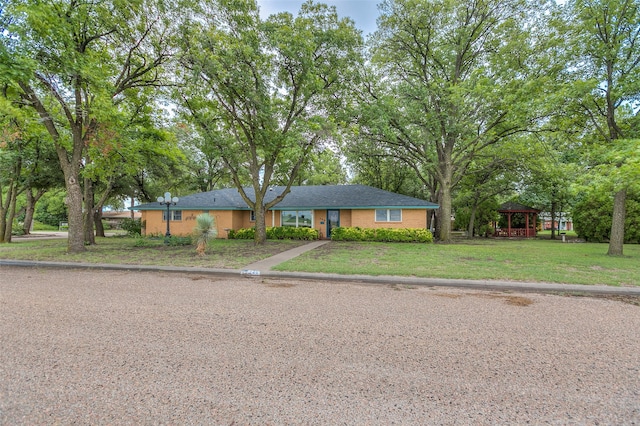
229	254
521	260
481	259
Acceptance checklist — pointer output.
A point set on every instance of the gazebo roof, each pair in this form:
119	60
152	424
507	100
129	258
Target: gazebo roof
512	207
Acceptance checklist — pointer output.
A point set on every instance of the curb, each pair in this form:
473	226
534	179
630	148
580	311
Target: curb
365	279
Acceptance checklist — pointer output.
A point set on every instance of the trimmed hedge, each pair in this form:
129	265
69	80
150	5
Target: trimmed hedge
276	233
399	235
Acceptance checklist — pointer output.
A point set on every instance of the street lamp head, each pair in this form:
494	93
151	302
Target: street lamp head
167	196
174	200
161	199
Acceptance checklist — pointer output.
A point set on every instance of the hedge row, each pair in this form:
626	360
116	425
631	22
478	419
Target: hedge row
401	235
276	233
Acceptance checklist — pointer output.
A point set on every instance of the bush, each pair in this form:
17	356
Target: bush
242	234
404	235
204	231
17	228
132	226
277	233
592	217
179	241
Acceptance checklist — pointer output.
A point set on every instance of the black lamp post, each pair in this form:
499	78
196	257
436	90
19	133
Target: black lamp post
168	201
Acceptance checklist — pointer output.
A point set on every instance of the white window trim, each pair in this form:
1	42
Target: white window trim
173	215
375	215
297	214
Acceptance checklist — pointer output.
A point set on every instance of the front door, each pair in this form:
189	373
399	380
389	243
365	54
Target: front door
333	221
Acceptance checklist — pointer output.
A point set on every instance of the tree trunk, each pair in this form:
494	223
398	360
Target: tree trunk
616	242
89	235
11	212
30	208
472	220
97	209
553	219
97	219
444	214
75	242
3	217
261	226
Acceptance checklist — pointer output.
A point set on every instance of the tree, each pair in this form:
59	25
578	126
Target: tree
323	168
451	79
25	163
592	214
263	92
205	170
603	63
74	61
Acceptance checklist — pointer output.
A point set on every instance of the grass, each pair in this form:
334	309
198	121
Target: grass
226	254
536	260
512	260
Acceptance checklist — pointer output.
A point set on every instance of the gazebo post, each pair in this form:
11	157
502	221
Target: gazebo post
509	224
526	223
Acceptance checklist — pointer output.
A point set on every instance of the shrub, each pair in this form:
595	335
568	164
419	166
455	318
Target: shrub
407	235
291	233
277	233
242	234
204	231
593	214
17	228
179	241
144	241
132	226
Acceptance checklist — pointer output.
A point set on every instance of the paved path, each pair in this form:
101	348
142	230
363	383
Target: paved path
270	262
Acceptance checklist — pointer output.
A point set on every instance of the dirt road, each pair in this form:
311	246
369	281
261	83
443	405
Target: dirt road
105	347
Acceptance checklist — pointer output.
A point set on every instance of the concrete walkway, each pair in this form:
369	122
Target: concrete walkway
270	262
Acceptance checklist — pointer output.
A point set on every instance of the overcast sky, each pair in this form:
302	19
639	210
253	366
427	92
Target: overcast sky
363	12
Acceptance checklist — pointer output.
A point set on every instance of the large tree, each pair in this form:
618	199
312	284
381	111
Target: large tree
74	61
263	92
451	79
602	43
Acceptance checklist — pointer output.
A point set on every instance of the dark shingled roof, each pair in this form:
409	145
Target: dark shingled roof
517	208
300	198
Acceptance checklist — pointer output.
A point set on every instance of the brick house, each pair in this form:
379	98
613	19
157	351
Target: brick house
321	207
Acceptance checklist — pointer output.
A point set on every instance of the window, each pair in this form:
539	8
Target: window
175	215
297	218
388	215
252	216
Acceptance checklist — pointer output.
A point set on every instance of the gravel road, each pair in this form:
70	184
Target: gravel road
104	347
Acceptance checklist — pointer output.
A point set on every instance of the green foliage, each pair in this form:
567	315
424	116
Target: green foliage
132	226
451	81
277	233
265	94
144	242
204	231
592	217
39	226
176	241
399	235
51	209
486	213
17	228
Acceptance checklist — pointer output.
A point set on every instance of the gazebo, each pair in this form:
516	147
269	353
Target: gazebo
521	221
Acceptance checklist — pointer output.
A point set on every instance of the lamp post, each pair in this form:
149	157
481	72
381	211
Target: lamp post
168	201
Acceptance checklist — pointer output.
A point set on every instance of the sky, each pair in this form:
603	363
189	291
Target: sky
363	12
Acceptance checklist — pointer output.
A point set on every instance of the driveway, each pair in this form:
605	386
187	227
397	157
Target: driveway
118	347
